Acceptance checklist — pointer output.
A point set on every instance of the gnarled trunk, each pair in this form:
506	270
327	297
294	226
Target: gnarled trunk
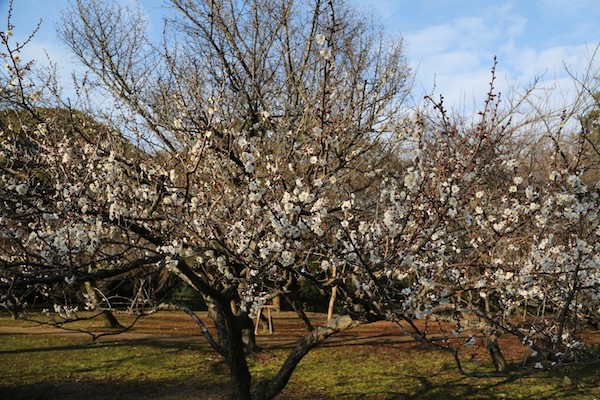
230	329
497	358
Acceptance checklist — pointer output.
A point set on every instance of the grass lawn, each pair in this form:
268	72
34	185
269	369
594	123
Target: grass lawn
166	359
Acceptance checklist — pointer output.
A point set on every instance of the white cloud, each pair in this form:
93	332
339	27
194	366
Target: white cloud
530	62
464	33
458	54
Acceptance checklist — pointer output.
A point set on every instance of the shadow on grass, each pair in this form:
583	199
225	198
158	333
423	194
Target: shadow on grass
114	390
110	370
282	343
155	342
212	383
463	388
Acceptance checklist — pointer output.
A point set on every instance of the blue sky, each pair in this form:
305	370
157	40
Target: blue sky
453	42
448	42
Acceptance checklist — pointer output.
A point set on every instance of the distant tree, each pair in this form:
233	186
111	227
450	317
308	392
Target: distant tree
20	127
590	135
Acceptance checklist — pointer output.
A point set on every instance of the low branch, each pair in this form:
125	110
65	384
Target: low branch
214	344
269	388
77	276
94	336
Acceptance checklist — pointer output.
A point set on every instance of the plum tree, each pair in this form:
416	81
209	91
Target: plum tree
266	143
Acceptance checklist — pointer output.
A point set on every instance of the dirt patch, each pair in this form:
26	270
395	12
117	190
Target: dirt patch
289	329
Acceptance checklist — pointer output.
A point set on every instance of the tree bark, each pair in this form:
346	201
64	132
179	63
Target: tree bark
277	303
497	358
109	319
230	332
299	309
246	326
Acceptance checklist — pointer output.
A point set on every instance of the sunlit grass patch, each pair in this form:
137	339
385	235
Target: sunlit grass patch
387	372
35	358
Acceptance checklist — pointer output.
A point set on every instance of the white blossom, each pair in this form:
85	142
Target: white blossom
346	205
21	189
248	160
287	258
411	180
325	53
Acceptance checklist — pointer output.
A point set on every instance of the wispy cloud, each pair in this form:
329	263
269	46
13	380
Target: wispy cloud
458	53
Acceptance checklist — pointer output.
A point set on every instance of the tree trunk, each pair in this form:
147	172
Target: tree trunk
13	308
246	326
230	330
497	358
277	303
240	378
236	357
299	309
109	319
564	312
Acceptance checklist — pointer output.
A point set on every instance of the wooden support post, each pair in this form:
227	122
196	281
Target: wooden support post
269	318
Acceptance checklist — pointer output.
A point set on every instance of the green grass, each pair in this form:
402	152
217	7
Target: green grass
48	366
368	372
41	366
